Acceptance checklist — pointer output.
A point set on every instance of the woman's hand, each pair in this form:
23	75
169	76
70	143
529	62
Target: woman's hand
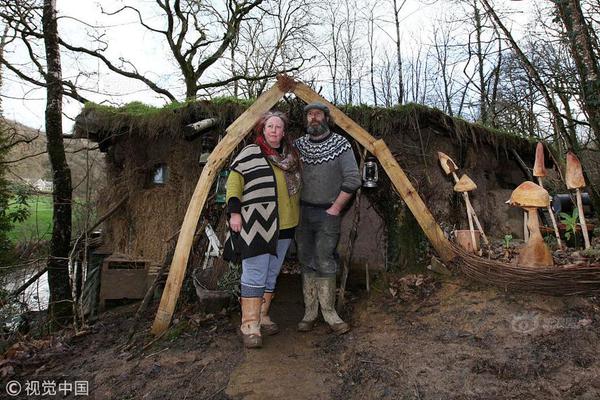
235	222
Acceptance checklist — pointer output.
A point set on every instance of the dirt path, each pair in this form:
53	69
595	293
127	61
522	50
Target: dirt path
291	364
433	340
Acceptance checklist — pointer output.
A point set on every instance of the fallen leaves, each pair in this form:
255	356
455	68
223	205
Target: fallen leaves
412	287
29	352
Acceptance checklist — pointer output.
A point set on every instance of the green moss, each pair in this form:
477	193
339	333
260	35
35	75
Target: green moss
135	108
592	252
140	109
409	108
176	330
151	121
219	101
406	241
400	118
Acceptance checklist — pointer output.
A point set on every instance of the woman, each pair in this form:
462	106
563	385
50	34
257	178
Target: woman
263	195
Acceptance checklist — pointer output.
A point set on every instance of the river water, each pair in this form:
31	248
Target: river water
37	295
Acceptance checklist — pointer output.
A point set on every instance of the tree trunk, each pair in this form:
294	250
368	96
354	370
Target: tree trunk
557	121
492	109
483	111
398	52
586	61
236	84
581	44
334	42
61	303
372	54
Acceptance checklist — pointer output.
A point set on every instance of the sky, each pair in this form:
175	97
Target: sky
125	38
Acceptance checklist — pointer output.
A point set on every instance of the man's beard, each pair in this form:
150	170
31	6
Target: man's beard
317	130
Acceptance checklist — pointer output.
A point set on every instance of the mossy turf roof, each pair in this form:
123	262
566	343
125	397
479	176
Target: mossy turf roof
100	122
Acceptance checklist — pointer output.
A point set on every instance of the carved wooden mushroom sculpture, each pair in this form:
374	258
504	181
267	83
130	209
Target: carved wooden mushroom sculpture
539	171
450	168
447	163
465	185
531	197
574	180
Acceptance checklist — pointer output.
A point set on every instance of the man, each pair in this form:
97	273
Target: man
330	177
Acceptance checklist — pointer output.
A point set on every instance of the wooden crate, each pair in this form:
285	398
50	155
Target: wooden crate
123	278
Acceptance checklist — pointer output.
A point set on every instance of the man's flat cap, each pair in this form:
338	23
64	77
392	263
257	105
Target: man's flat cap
316	106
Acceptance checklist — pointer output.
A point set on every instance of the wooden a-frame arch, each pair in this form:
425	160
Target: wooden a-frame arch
235	133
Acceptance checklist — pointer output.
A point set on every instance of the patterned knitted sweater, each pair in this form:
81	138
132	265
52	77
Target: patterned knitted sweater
328	167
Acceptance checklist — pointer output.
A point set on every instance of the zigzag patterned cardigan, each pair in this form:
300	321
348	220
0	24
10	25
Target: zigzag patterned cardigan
260	223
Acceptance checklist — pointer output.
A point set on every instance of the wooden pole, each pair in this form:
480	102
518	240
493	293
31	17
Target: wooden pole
235	134
471	229
552	218
471	211
586	238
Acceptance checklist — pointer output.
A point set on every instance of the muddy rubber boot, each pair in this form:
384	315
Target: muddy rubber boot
311	303
267	326
326	290
250	327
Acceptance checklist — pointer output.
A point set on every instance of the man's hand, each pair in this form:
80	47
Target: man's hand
333	210
235	222
339	203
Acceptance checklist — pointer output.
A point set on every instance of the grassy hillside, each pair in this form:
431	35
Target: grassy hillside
30	160
39	223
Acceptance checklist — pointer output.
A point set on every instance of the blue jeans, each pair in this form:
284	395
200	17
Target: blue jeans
317	238
259	273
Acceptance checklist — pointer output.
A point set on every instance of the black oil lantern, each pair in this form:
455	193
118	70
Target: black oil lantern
222	186
370	173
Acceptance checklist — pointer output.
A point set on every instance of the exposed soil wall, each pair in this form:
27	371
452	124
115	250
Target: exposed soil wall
147	224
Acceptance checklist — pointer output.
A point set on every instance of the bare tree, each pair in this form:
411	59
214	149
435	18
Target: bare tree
482	60
557	121
556	117
371	18
477	18
196	33
442	47
22	23
60	305
417	85
398	5
349	43
386	78
329	49
517	103
583	46
275	41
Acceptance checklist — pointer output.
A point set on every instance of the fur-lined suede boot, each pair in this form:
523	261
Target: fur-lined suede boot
267	326
250	327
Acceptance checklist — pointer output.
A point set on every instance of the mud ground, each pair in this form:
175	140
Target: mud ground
456	340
